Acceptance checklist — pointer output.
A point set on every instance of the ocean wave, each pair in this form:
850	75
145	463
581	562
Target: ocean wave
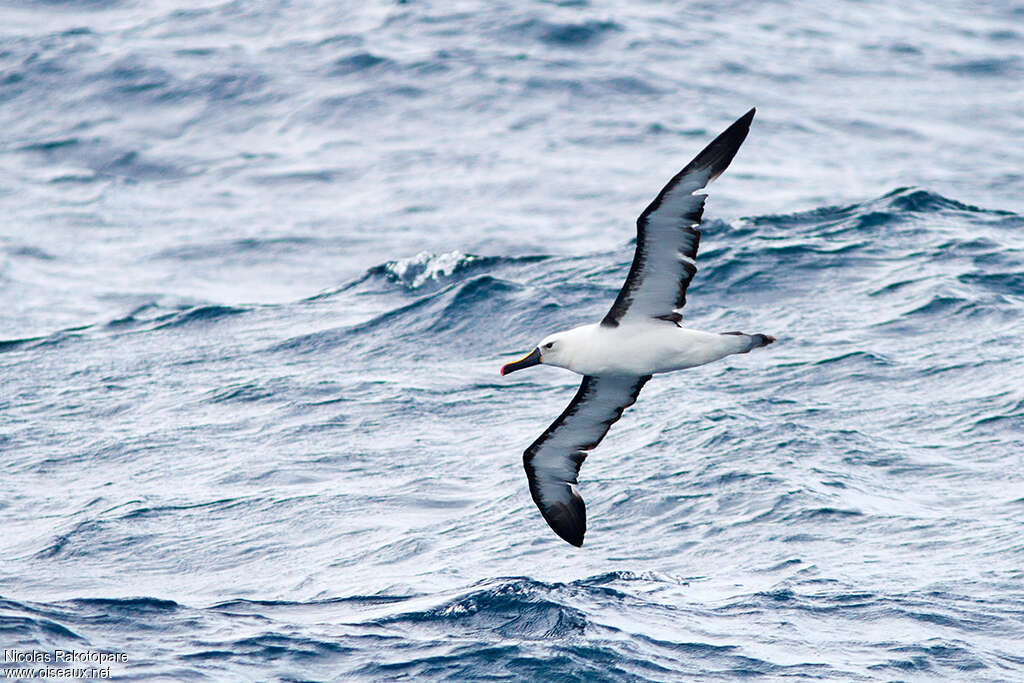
891	206
358	61
425	268
444	314
568	34
144	318
986	67
193	315
849	244
511	608
427	272
31	631
265	247
87	159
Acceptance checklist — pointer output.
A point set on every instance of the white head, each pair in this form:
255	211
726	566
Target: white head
555	349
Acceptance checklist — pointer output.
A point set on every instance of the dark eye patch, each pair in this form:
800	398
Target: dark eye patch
549	345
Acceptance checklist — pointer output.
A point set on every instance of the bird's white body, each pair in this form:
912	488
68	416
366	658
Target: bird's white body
642	347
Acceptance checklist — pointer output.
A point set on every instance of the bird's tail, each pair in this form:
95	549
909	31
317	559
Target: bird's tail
754	341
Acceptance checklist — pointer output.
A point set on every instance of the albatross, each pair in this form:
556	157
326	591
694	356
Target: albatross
640	336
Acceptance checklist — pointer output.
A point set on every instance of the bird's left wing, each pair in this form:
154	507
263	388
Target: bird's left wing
553	461
667	236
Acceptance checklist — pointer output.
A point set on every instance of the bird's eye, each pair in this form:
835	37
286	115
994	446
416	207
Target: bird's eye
549	345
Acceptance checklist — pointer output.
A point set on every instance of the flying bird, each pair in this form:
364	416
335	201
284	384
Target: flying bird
640	336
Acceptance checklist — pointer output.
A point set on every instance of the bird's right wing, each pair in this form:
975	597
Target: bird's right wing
667	236
553	461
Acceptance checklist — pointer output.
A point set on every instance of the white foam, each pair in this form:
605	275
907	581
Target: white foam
426	267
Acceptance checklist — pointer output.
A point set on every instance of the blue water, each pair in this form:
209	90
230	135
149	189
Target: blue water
261	262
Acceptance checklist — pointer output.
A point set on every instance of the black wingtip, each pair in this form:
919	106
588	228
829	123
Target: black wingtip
568	521
572	537
744	120
720	152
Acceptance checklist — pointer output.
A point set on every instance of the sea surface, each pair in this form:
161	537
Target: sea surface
260	263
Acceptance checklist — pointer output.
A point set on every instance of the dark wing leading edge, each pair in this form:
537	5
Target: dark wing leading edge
667	238
553	460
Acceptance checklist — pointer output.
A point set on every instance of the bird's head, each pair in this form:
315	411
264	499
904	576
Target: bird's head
553	350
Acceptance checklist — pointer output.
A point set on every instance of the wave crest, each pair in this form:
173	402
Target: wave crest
426	268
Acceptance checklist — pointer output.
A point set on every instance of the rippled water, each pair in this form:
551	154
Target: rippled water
260	263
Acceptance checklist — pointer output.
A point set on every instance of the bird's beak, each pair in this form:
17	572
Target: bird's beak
532	358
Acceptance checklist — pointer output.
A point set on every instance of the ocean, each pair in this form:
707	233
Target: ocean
260	263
